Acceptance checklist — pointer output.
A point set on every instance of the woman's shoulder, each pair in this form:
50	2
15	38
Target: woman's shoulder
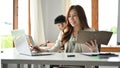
90	29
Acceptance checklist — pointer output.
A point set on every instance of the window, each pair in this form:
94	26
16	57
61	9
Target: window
10	15
6	23
23	15
108	18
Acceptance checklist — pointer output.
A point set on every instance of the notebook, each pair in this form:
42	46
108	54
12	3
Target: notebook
102	37
21	44
102	54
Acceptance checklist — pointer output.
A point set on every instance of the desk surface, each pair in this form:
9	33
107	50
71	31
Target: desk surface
11	56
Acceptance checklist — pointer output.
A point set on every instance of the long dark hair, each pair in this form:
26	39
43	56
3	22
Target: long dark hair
83	22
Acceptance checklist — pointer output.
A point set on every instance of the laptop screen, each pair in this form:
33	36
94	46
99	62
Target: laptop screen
20	41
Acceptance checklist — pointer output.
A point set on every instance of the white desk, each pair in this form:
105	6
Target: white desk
10	56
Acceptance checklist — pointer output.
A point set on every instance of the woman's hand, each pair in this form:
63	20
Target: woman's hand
92	45
35	48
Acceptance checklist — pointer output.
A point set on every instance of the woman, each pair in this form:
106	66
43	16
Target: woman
76	21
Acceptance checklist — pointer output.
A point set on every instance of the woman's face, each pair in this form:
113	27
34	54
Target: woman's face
73	18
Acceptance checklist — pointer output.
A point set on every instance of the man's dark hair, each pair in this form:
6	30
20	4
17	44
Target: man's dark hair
60	19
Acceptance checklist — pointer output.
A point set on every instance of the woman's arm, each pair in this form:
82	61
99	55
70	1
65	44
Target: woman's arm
54	48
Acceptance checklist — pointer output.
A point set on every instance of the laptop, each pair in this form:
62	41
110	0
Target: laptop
102	37
21	44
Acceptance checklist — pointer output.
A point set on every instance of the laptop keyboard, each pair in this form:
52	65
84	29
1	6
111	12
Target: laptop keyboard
41	53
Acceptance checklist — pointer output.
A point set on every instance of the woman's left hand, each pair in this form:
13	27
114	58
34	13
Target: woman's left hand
92	45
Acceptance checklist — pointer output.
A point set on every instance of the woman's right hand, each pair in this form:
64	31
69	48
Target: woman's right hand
92	45
35	48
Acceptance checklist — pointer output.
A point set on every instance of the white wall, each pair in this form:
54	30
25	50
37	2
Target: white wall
51	9
118	31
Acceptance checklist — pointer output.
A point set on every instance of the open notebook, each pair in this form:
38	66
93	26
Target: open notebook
21	44
102	54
